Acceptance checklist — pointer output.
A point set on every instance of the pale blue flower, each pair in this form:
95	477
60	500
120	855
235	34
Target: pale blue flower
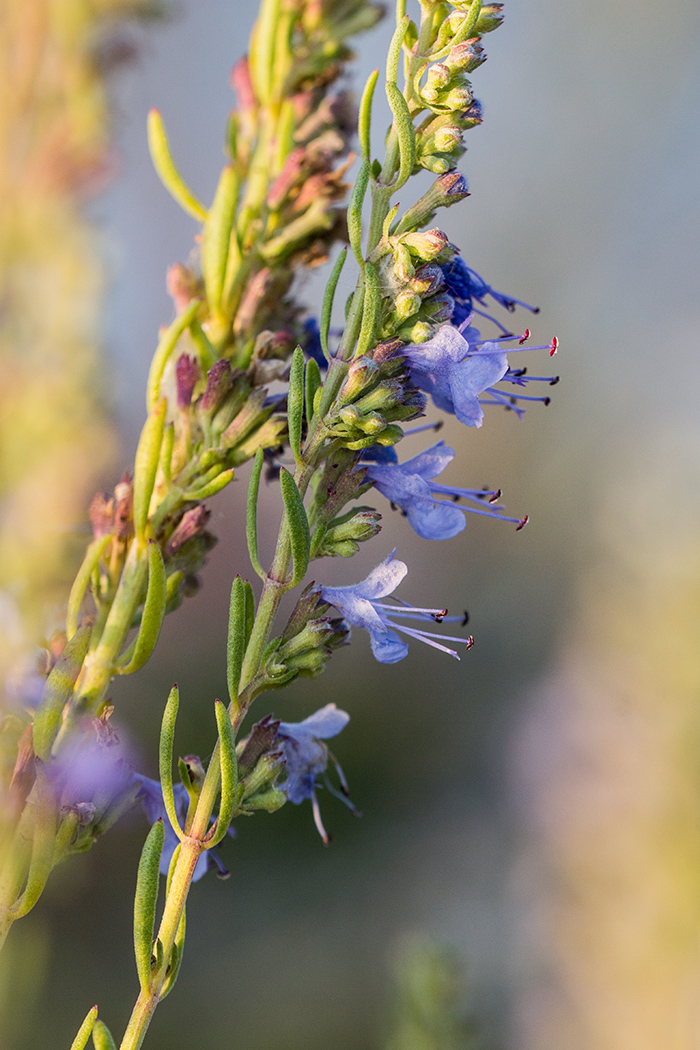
410	486
359	604
306	758
151	798
455	367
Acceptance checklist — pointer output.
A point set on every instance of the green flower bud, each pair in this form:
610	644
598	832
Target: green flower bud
360	374
438	78
466	57
357	526
407	304
490	18
447	139
403	267
426	244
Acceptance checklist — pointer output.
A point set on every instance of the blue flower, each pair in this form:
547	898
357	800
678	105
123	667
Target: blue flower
306	758
466	286
151	798
359	604
455	367
409	486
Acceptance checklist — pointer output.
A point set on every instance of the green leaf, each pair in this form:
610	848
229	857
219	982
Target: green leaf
58	690
328	297
102	1037
229	774
80	584
406	135
216	236
165	166
249	611
365	114
313	384
147	881
210	488
370	310
43	845
355	212
153	612
252	513
165	758
299	534
168	342
295	403
146	465
236	640
80	1041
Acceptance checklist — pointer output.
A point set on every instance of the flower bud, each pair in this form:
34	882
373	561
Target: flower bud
186	376
438	78
428	279
466	57
358	526
447	139
360	374
403	267
219	382
490	18
457	98
426	244
407	304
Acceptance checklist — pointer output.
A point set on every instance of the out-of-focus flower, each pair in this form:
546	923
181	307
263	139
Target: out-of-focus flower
361	607
151	798
306	758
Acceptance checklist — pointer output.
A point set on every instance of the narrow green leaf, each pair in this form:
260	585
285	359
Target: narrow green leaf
295	403
328	297
313	383
165	166
58	690
175	958
394	52
252	513
299	535
153	612
165	758
212	487
249	611
355	212
229	774
80	1041
236	640
82	580
216	237
370	310
365	114
102	1037
145	901
43	845
168	342
406	134
146	464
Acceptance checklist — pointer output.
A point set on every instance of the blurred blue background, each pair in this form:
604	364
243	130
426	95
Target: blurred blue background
535	805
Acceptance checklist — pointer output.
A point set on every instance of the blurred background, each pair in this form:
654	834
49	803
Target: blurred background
535	807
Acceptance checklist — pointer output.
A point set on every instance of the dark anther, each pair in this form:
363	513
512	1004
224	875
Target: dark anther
546	400
393	506
524	337
439	616
496	496
470	641
553	346
554	380
465	618
456	499
522	523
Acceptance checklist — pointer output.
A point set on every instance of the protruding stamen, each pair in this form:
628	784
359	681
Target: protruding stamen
524	337
523	522
325	837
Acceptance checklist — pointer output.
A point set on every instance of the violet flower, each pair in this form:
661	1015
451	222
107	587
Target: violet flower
455	367
410	486
306	758
359	604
